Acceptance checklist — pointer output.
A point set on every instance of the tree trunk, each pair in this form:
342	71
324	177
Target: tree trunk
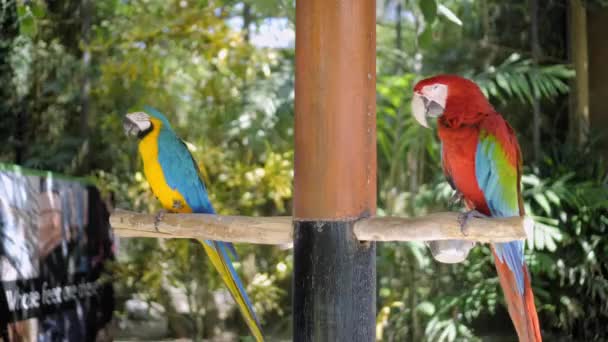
246	21
86	8
11	124
399	32
597	25
536	53
579	113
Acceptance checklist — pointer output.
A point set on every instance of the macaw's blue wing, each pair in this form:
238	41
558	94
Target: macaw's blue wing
181	172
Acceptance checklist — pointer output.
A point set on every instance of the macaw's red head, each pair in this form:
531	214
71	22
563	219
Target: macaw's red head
453	99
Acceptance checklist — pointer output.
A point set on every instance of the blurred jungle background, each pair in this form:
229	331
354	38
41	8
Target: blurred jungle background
222	70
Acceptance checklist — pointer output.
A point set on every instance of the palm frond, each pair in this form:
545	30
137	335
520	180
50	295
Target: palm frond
521	79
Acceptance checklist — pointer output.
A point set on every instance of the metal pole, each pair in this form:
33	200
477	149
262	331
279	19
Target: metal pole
335	170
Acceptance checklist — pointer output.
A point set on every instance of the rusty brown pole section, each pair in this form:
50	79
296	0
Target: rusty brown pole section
335	170
335	163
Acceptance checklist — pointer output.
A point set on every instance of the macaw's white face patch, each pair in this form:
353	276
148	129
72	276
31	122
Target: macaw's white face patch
137	123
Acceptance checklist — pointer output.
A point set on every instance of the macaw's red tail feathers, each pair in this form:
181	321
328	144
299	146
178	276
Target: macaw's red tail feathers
521	305
218	254
532	317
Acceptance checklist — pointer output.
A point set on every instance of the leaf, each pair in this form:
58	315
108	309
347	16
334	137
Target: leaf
384	145
449	332
27	24
502	82
552	197
448	14
426	308
425	39
37	10
542	201
545	237
429	10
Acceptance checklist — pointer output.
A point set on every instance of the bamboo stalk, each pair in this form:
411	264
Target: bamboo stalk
279	230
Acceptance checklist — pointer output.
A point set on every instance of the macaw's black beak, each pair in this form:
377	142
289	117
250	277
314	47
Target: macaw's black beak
137	124
433	109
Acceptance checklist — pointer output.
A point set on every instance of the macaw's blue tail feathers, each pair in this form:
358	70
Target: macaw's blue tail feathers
218	254
230	247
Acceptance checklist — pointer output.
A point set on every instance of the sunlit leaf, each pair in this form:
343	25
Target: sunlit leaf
545	237
448	14
543	202
426	308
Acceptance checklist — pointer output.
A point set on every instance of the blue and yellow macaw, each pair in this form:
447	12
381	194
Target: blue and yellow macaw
176	181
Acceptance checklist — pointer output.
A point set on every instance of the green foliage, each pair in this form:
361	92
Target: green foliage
520	79
571	210
430	10
596	4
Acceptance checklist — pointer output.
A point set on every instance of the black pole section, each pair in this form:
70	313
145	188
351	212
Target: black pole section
334	285
334	297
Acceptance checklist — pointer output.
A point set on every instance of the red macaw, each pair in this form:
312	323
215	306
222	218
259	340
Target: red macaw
482	161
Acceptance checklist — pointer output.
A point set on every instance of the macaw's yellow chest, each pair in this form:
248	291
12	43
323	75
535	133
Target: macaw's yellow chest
169	198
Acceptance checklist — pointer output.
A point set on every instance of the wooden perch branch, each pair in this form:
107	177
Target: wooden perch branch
279	230
441	226
261	230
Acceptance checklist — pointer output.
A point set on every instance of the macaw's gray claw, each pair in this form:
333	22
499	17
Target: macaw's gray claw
177	204
464	218
159	217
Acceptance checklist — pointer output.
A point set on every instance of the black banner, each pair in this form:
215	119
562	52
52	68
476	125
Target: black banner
55	239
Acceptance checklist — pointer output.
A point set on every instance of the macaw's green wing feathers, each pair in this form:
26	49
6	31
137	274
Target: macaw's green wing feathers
498	173
498	167
218	254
